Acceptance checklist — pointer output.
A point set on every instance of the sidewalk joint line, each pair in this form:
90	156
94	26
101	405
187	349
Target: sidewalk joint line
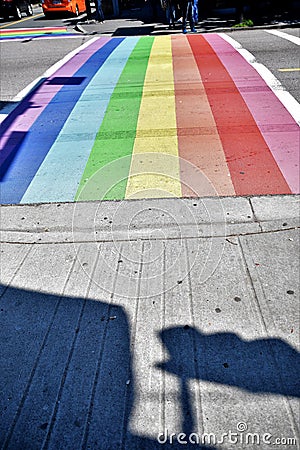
33	371
47	438
18	268
269	333
129	391
100	356
199	406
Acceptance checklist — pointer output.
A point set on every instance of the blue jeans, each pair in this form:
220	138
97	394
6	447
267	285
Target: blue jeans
170	14
99	11
195	11
188	15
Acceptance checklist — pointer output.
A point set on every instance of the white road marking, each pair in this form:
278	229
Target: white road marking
289	102
286	36
19	97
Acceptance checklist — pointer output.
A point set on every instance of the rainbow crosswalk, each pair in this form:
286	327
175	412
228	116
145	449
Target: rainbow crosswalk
35	33
121	104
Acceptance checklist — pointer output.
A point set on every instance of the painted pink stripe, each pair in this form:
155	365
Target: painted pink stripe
277	126
45	93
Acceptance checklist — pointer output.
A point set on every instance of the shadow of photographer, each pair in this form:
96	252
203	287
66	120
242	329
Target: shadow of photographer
66	374
67	379
268	365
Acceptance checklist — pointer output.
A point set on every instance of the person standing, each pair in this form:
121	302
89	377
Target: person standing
99	11
171	13
187	15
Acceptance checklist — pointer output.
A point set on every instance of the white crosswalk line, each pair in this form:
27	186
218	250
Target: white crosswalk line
288	37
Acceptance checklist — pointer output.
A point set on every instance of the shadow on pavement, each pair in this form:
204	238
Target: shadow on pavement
67	379
66	375
136	31
15	139
9	151
65	364
258	366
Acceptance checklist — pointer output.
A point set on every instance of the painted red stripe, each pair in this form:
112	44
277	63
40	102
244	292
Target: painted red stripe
277	126
198	138
252	166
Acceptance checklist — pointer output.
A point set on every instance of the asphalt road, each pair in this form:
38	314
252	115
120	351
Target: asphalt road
22	61
276	54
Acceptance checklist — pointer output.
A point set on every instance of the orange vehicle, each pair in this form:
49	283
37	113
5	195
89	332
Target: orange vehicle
50	7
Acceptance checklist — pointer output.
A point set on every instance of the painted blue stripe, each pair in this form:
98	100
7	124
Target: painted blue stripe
43	133
59	176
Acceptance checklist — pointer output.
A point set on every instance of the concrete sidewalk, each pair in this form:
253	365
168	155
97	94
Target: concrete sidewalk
126	323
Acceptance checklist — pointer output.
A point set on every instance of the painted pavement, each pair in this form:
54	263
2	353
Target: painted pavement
136	113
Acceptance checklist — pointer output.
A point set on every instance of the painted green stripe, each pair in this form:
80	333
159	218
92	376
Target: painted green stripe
115	138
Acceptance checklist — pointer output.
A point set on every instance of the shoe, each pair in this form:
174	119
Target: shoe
184	31
193	30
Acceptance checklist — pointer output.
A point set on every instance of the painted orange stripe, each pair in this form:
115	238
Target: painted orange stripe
251	164
198	138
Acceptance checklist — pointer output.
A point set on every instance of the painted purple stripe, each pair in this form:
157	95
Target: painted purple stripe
277	126
20	120
16	126
34	146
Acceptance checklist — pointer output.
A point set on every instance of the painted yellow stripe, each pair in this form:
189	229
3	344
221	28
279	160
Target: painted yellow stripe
154	168
296	69
21	20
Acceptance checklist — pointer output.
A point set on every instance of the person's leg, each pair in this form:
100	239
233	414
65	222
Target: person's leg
184	17
195	11
99	11
170	13
190	17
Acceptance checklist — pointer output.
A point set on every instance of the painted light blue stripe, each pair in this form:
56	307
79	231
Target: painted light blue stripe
36	36
36	143
59	176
